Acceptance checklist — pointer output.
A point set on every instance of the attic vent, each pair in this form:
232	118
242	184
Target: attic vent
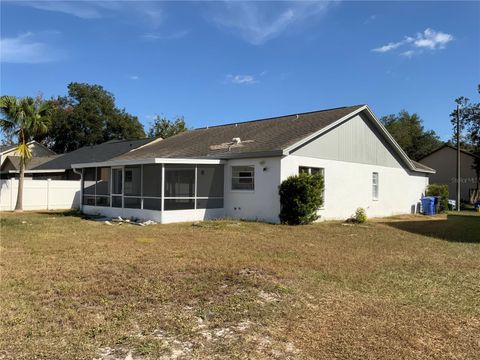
236	140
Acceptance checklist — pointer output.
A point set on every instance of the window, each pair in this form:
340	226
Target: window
375	186
313	171
243	178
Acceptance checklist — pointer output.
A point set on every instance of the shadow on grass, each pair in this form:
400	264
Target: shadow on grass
456	228
66	213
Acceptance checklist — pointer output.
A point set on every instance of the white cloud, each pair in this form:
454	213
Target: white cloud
259	22
432	40
429	40
27	49
134	77
370	19
408	53
242	79
388	47
149	11
172	36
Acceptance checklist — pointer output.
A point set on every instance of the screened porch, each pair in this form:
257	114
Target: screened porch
153	187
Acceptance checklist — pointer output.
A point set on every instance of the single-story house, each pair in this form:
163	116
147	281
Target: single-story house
444	160
234	170
59	167
35	147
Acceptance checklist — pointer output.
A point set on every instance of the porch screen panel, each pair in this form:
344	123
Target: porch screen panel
210	181
89	181
103	187
179	181
152	180
133	178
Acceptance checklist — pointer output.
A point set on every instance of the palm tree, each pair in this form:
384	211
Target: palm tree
23	119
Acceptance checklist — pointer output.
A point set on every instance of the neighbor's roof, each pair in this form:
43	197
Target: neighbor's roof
4	148
452	148
93	153
257	137
32	164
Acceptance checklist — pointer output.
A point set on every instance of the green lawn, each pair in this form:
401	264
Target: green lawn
402	288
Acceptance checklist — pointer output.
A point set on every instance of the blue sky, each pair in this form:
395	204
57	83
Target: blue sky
220	62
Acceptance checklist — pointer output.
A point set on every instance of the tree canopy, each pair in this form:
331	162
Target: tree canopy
164	128
469	116
88	116
407	129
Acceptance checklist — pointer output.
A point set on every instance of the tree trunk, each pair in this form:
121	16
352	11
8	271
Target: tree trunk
19	205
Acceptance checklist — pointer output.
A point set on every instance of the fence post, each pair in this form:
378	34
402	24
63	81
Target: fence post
10	187
48	194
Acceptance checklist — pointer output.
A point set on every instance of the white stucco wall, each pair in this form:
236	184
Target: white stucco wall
164	217
263	203
349	186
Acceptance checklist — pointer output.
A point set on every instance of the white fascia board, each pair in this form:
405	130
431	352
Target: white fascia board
37	171
148	161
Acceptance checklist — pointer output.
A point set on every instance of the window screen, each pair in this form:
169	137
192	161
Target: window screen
103	181
132	202
117	180
89	181
152	180
133	178
179	204
243	178
210	181
179	181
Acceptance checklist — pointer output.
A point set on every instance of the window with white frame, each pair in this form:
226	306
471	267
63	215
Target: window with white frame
314	171
375	186
243	178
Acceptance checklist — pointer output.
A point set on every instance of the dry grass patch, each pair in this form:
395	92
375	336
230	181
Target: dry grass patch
74	288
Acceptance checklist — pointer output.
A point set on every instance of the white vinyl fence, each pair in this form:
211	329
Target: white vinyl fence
41	194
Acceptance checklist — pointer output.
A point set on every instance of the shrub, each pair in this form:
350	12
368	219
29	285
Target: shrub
439	190
300	198
360	216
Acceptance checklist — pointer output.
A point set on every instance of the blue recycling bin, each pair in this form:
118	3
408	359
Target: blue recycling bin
428	205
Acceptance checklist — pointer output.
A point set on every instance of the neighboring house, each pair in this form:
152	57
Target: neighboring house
444	160
235	170
59	167
36	148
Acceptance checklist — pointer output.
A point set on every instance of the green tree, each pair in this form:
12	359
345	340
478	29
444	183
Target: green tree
407	129
469	116
23	119
164	128
88	116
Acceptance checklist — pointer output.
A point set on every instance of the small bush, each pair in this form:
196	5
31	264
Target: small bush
300	198
439	190
360	216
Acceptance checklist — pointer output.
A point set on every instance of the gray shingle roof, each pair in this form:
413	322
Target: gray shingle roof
258	136
94	153
4	148
33	163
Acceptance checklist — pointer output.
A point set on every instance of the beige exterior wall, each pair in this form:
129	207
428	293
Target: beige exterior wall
445	162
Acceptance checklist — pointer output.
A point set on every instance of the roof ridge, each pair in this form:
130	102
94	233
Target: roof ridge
280	116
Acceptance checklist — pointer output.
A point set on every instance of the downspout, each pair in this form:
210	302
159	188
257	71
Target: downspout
81	188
